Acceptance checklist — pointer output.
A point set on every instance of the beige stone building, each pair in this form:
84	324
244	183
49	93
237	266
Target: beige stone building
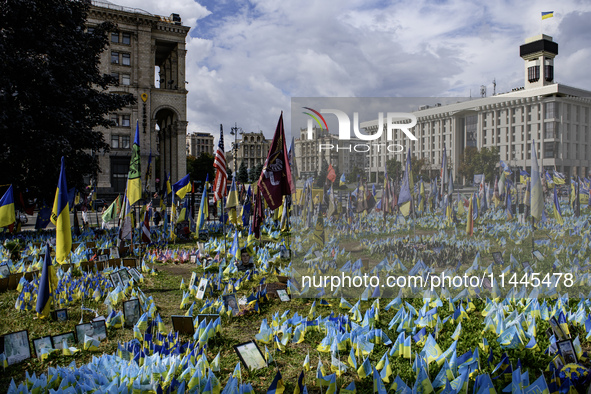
252	149
198	143
147	56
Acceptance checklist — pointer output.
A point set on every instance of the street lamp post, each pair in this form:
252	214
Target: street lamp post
235	131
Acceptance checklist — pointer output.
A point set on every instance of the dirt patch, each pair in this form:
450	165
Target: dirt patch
184	270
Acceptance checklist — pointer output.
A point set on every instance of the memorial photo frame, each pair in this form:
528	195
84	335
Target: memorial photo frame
60	315
15	346
58	339
201	289
114	253
567	351
124	275
230	301
183	324
94	329
498	258
135	275
132	311
283	296
4	270
193	279
116	279
250	355
42	343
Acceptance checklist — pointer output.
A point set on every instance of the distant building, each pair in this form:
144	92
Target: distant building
198	143
556	116
251	149
309	155
147	56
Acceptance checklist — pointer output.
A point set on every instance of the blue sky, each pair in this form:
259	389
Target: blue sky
246	59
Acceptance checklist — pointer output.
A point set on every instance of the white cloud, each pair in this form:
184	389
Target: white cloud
245	60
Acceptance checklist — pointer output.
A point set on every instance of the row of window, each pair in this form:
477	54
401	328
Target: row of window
123	79
122	58
120	141
121	38
121	120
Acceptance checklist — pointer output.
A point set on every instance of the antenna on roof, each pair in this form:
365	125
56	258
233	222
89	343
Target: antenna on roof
494	86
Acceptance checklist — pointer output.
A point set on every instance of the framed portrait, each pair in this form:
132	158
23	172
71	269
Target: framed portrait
124	275
193	258
4	270
230	301
15	346
94	329
59	339
116	279
250	355
60	314
131	312
193	279
42	343
114	253
201	289
135	275
283	296
103	257
183	324
498	258
203	235
567	351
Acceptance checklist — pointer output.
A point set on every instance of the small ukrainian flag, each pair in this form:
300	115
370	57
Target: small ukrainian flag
548	14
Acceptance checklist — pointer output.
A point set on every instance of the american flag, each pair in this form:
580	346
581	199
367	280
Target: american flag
219	163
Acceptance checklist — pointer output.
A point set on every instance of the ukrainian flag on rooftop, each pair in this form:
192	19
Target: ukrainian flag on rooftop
547	14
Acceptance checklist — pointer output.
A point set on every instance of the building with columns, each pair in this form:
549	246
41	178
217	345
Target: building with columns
251	149
147	56
555	116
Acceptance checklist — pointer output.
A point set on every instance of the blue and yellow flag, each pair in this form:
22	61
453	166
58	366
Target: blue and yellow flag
47	285
182	187
7	215
557	212
204	207
60	217
134	181
342	181
547	14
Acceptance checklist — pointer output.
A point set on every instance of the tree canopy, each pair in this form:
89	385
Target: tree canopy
201	167
52	94
479	162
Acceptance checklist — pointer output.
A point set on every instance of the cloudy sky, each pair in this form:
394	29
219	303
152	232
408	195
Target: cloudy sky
247	59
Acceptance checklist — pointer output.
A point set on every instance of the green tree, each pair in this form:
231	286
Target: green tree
418	167
474	162
242	175
355	173
394	168
52	94
255	172
321	180
201	167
